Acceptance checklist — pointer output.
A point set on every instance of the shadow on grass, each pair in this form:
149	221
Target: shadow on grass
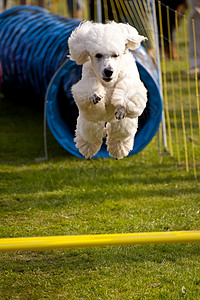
97	257
74	181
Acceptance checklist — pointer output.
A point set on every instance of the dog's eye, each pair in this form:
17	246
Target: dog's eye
115	55
98	55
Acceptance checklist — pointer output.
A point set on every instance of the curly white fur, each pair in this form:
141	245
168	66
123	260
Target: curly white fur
110	91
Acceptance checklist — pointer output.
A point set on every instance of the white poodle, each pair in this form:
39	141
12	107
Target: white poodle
110	95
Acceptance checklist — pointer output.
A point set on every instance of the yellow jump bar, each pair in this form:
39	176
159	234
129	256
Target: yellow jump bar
99	240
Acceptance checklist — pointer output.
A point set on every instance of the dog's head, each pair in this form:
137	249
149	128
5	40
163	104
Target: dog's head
104	45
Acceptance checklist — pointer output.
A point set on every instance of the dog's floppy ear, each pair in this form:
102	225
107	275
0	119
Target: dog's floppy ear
132	38
77	43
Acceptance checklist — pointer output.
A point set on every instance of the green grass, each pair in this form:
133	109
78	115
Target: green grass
69	196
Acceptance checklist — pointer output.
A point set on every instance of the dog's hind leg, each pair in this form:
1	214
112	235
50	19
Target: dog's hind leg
89	136
120	137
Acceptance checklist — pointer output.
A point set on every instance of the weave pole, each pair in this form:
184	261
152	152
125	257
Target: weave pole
100	240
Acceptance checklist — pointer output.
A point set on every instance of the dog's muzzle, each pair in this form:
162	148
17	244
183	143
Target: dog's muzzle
107	74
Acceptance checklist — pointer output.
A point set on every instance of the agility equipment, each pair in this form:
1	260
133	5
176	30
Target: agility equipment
35	64
99	240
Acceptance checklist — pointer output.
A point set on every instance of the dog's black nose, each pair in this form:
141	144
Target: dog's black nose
108	72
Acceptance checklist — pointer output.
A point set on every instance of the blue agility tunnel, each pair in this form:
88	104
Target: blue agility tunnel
33	57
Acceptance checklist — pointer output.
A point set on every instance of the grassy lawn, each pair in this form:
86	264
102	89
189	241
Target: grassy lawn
69	196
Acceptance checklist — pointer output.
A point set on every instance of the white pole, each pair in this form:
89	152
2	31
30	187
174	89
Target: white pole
99	11
156	36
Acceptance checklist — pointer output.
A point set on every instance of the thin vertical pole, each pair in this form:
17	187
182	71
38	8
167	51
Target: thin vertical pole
99	11
159	72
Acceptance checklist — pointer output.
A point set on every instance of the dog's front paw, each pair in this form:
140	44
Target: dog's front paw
120	113
96	98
